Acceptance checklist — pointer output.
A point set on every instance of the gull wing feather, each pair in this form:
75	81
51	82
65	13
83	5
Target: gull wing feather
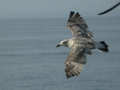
74	62
77	25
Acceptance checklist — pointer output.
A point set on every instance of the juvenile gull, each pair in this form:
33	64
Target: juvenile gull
81	44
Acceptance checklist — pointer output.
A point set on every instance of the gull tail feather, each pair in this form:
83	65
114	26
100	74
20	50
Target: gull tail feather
102	46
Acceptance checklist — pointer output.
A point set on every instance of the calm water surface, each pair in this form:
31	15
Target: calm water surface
29	59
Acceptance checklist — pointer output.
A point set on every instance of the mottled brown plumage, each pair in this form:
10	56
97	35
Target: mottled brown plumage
77	25
80	44
74	62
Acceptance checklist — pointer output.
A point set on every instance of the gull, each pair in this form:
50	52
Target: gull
81	44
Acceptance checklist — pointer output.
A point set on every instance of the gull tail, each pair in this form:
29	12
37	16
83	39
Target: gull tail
102	46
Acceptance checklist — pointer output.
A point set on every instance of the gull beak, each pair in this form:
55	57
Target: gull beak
58	45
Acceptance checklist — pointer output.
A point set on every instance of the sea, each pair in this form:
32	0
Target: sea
29	59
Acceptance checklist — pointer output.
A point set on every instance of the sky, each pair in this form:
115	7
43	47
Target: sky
54	8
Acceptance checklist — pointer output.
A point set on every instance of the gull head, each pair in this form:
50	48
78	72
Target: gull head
63	43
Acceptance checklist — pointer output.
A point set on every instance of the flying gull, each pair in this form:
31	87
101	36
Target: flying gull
81	44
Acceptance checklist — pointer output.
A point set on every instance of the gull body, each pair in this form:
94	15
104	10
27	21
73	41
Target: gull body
81	44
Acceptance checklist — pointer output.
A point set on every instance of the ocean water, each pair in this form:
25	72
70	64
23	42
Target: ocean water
29	59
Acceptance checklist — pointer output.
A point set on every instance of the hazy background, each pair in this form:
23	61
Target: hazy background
29	59
53	8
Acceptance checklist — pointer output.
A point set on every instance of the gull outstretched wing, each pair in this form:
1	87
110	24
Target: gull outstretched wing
77	25
74	62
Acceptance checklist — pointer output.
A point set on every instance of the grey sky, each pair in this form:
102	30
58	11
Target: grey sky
53	8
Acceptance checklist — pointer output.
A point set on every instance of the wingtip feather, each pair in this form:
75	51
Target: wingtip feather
73	69
71	14
77	15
